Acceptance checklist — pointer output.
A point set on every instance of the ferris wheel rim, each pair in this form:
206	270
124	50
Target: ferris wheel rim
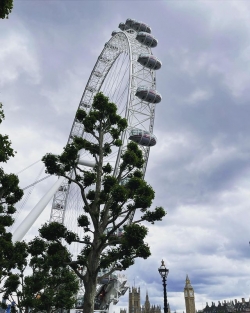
130	81
88	86
129	45
132	103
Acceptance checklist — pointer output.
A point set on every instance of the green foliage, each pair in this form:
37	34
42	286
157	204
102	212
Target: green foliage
50	278
83	221
5	148
11	256
5	145
80	115
50	285
156	215
11	283
132	158
53	231
110	199
119	194
90	195
2	116
5	9
108	183
89	179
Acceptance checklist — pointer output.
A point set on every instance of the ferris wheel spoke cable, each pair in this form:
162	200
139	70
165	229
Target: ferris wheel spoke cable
36	182
117	101
114	74
75	209
115	80
119	84
121	113
121	97
107	83
28	167
27	196
119	79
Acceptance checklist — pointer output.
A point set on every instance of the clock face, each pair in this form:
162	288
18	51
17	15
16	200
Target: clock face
186	293
191	293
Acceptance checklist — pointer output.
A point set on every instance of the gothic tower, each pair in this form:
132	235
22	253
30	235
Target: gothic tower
134	300
189	297
147	304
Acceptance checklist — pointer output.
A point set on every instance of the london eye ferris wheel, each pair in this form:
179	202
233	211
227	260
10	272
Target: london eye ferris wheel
124	72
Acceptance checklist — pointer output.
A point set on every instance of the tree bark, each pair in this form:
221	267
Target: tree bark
89	295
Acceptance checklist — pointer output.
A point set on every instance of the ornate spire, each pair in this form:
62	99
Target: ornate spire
188	283
147	299
147	303
189	296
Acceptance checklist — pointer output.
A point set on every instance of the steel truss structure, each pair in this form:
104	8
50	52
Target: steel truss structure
139	113
118	74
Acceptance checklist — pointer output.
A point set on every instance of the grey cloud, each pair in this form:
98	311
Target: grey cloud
199	167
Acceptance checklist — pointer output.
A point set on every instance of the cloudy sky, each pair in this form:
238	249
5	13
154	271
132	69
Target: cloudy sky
200	167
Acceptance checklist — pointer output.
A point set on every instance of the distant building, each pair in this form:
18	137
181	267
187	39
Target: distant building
228	307
134	305
189	297
147	308
224	306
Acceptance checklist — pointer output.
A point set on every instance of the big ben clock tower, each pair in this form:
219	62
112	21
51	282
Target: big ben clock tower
189	297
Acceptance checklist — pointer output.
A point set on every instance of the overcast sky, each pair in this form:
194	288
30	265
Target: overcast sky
200	166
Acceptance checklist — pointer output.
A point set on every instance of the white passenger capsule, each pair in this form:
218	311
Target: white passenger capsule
62	188
108	45
85	105
124	181
97	74
147	94
114	33
57	206
142	137
104	59
146	39
123	26
137	26
141	27
149	61
129	22
103	280
91	89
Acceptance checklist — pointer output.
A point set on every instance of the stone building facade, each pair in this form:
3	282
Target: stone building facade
134	303
228	307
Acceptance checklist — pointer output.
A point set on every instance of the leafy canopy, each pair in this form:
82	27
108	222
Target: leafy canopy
111	240
5	8
10	194
51	285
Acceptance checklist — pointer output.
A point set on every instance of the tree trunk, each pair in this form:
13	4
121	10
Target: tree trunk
89	295
90	279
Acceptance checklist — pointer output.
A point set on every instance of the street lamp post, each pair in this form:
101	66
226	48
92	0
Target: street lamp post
164	273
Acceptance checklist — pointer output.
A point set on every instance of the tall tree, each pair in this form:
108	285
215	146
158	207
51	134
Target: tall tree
109	200
11	255
5	8
50	284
